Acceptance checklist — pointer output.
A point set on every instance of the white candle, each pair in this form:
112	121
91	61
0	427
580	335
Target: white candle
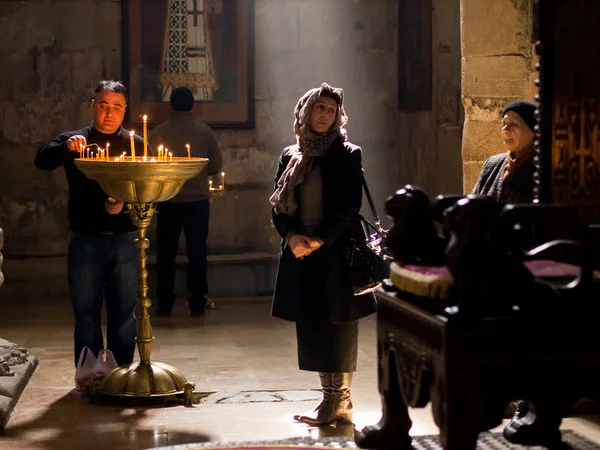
145	136
131	134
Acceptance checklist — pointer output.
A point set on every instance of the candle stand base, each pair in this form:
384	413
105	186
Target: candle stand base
143	380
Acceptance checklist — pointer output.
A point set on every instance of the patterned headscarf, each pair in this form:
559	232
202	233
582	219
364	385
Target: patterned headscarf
310	145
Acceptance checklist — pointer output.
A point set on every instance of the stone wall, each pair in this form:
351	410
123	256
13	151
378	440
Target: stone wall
70	44
497	68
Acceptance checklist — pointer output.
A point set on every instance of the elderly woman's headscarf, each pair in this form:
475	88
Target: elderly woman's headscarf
310	145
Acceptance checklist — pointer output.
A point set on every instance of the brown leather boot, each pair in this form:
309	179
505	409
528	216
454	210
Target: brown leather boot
323	412
336	405
343	409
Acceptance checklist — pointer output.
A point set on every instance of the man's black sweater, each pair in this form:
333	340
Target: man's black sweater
86	210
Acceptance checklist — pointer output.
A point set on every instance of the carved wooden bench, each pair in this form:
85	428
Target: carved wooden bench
489	325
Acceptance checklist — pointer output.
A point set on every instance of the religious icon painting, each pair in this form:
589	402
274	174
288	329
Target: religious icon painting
205	45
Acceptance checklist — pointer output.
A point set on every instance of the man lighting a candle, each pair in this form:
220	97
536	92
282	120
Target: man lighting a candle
189	209
101	260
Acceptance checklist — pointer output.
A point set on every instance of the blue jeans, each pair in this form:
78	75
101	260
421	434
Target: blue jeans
103	266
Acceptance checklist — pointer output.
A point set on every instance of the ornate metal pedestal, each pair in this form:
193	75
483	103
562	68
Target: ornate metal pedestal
141	185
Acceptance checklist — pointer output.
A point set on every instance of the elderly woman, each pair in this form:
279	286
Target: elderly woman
508	177
317	198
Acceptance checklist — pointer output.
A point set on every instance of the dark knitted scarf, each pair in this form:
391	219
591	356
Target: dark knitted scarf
310	146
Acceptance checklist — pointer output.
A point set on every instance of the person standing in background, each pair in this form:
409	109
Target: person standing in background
188	210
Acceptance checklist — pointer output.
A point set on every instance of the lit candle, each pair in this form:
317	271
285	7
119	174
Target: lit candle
131	134
160	150
107	147
153	160
145	135
210	185
81	154
223	179
102	155
87	151
117	159
187	146
170	156
165	153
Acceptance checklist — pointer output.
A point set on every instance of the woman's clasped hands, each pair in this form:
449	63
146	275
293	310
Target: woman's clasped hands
302	245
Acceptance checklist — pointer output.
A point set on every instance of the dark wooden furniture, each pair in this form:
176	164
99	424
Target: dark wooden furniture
505	305
505	329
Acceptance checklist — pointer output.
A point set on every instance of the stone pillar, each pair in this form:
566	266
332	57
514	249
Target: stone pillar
497	69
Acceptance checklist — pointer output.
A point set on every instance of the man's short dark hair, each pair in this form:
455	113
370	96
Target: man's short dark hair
112	86
182	99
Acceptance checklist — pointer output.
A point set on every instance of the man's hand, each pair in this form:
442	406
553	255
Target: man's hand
76	142
300	245
112	206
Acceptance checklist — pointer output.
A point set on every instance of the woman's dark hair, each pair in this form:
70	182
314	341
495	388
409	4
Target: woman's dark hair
332	94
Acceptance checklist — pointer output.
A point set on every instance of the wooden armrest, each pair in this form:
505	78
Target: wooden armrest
571	255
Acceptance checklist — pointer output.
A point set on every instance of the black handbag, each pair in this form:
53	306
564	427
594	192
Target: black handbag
365	253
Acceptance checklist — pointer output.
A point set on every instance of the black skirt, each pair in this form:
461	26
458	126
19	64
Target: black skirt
327	347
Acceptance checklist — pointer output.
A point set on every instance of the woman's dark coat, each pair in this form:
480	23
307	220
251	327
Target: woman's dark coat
516	188
317	287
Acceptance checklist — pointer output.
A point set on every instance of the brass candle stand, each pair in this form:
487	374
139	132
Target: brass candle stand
142	184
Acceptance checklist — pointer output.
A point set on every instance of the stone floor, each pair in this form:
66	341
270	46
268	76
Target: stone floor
236	347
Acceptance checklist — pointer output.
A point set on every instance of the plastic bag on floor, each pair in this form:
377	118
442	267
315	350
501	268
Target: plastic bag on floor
90	370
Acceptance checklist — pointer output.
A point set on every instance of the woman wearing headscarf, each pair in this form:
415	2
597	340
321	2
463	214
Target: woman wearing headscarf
316	202
508	177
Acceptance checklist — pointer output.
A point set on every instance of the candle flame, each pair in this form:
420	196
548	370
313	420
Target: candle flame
131	133
222	174
153	160
145	117
117	159
160	147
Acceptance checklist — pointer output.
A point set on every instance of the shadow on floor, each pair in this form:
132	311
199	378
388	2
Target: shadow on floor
72	420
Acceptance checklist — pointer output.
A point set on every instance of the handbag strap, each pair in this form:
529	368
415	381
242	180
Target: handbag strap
371	203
